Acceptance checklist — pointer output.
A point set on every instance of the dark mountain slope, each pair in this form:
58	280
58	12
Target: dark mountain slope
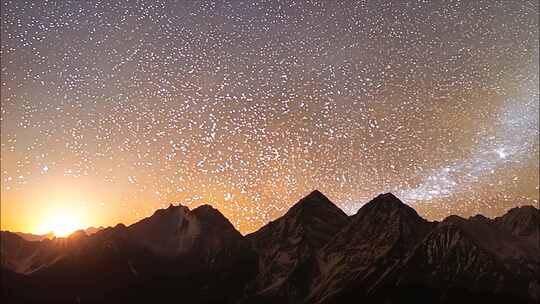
522	222
385	253
463	260
25	257
195	255
381	233
288	248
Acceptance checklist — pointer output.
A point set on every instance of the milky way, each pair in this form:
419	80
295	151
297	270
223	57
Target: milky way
117	108
514	137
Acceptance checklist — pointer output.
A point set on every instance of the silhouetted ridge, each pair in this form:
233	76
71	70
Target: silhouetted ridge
384	207
462	259
484	233
35	237
522	222
379	235
7	235
479	218
388	197
78	234
208	210
453	219
313	212
170	211
525	209
314	204
388	201
213	219
177	230
316	197
288	247
313	254
120	226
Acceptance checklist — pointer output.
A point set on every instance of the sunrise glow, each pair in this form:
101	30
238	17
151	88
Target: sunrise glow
62	224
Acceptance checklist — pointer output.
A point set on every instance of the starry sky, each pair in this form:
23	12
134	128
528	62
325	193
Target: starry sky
112	109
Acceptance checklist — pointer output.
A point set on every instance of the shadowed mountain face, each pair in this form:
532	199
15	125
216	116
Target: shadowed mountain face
313	254
522	222
288	249
463	259
377	238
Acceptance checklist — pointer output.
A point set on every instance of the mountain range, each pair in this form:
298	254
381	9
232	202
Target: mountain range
313	254
51	235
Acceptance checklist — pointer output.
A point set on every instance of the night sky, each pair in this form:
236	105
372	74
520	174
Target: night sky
112	109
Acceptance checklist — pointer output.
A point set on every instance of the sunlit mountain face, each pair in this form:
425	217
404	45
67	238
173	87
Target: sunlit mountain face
113	109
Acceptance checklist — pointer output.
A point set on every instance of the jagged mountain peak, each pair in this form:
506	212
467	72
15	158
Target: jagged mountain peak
171	210
314	204
387	206
288	245
313	199
312	254
387	197
207	210
177	230
313	210
214	220
207	213
385	215
380	233
316	196
387	200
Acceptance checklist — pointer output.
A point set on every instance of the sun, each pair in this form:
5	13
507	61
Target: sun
62	224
